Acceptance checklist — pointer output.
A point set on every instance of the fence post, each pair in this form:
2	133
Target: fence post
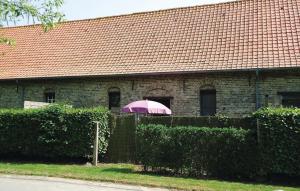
95	152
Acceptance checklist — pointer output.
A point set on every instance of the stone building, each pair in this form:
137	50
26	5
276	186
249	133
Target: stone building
229	58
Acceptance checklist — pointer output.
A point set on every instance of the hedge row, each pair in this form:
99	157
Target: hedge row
214	152
122	139
272	148
279	130
55	132
201	121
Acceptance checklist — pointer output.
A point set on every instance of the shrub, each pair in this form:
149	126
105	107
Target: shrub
202	121
55	132
215	152
279	140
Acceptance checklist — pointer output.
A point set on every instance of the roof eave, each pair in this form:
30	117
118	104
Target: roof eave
152	74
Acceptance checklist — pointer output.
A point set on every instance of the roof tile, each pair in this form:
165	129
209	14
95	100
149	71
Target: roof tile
240	35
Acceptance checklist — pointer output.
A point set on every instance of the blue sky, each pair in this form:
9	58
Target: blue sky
83	9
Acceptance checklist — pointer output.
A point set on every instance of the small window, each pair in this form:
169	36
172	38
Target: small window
208	102
50	97
166	101
114	99
290	99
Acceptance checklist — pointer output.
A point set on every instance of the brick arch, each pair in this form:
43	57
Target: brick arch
207	87
158	92
113	89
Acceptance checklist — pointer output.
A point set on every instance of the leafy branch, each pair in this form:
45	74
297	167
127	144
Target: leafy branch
45	12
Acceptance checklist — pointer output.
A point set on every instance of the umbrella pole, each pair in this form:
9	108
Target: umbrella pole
136	121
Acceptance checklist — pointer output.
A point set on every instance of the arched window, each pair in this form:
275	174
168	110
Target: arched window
114	98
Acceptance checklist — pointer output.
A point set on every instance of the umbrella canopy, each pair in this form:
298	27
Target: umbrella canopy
146	106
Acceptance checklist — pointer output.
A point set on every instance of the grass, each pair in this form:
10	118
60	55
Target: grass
131	174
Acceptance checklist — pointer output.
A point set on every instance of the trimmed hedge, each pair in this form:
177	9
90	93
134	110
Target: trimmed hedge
279	140
213	152
54	132
224	152
201	121
122	140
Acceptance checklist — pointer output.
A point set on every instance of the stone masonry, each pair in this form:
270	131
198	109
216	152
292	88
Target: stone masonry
235	92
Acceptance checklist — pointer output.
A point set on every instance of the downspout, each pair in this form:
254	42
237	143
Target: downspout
21	99
257	89
23	96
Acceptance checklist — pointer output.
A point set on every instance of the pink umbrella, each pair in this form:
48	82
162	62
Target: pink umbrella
146	106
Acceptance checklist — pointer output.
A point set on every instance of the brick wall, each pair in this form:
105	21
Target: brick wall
235	91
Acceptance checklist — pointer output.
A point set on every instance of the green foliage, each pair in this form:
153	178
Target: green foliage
214	152
211	121
279	140
224	152
8	41
54	132
45	12
122	141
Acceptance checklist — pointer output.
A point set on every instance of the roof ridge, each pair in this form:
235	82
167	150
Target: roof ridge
131	14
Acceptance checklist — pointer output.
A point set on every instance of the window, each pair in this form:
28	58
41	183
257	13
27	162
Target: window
208	102
114	98
50	97
290	99
166	101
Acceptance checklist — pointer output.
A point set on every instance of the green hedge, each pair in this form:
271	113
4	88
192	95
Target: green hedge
279	140
224	152
122	140
214	152
55	132
201	121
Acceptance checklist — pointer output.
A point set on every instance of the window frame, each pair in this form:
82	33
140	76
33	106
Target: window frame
47	99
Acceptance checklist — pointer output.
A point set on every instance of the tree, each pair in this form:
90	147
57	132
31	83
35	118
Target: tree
45	12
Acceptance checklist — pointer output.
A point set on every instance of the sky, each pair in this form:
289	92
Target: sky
88	9
84	9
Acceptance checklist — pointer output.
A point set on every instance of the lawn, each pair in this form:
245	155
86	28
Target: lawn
131	174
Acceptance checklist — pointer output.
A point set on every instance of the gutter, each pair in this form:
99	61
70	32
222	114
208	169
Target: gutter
257	90
152	74
22	93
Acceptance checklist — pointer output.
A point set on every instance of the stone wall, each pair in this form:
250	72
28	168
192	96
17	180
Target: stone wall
273	84
236	95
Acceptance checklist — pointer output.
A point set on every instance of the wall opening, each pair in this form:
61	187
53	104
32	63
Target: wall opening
114	99
208	103
290	99
50	97
166	101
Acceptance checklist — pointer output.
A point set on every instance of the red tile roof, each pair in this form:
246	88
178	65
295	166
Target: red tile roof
240	35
